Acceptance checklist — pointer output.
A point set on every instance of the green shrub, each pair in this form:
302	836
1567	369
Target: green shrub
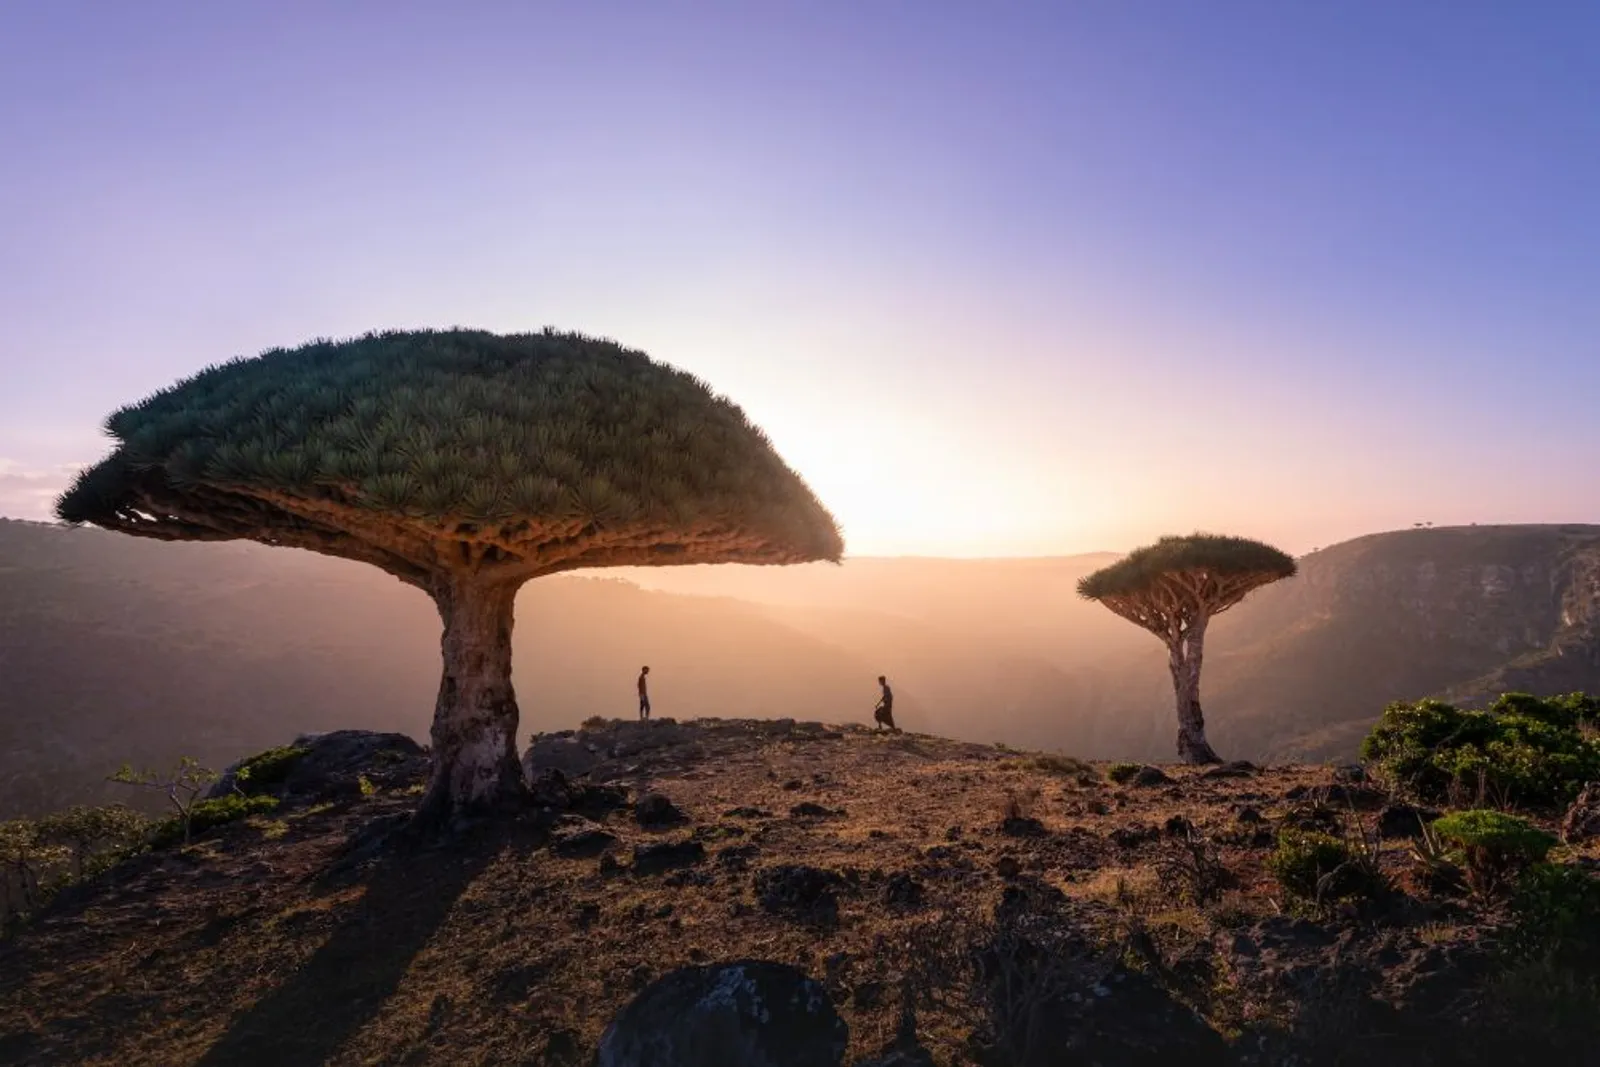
1557	912
1495	847
209	814
1319	867
96	836
266	771
1122	773
1523	749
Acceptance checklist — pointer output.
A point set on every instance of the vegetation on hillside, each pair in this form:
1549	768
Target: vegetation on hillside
1521	750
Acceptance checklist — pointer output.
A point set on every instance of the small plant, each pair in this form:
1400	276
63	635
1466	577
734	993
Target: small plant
365	785
1194	870
1019	804
596	722
207	815
1495	847
1065	766
1439	868
1319	868
1123	773
1557	911
267	770
182	786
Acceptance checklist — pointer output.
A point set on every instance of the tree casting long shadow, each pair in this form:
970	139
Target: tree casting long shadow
347	981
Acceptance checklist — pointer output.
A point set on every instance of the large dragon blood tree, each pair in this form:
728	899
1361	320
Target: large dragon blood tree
463	463
1174	588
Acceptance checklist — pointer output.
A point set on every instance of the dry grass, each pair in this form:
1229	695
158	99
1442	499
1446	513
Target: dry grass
253	949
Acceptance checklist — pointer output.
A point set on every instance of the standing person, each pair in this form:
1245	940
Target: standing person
644	695
883	714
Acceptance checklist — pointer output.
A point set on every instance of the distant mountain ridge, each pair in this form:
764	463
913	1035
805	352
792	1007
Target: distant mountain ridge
113	648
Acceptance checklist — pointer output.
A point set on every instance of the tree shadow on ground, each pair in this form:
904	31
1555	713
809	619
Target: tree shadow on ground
410	892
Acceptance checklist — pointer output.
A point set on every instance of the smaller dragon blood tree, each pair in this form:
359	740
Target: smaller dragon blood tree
1174	588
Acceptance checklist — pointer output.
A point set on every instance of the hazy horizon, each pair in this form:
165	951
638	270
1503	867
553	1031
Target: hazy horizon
1035	282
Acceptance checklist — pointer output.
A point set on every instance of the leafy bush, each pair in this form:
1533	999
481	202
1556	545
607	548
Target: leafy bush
1495	847
182	785
1557	912
266	771
1122	773
27	861
209	814
1319	867
96	837
1523	749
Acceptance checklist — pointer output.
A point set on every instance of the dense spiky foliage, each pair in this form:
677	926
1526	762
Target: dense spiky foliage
427	450
464	463
1178	576
1173	588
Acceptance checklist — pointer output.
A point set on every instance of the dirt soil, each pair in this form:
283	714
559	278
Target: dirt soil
312	938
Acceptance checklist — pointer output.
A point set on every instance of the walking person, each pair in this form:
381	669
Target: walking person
883	714
644	695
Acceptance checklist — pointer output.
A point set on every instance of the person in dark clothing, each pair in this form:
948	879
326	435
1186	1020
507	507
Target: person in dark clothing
883	714
644	695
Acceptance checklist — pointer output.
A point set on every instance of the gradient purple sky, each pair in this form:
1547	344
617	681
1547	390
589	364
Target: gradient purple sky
998	278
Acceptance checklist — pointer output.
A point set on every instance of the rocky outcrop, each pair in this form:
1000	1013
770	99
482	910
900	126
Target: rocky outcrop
748	1013
1582	821
328	766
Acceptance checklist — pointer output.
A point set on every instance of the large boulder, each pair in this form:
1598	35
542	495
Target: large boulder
569	753
748	1013
328	766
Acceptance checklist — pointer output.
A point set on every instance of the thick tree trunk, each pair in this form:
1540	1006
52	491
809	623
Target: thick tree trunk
475	765
1184	657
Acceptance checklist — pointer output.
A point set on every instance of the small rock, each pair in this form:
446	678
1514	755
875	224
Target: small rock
579	837
1178	826
1404	820
1582	821
1249	816
902	891
654	809
810	810
665	855
748	1013
1008	867
1350	772
1149	777
609	867
810	892
588	914
792	785
1020	826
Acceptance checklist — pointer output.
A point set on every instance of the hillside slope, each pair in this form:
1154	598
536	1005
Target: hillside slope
882	865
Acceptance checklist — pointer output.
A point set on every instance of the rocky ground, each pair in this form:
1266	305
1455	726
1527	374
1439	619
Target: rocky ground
958	903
